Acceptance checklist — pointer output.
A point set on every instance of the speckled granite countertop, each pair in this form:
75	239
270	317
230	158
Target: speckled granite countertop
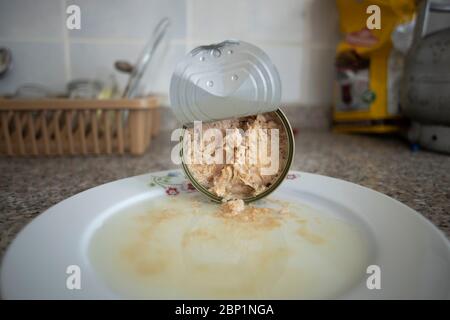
421	180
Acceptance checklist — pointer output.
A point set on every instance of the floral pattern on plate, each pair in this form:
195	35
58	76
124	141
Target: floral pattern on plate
174	182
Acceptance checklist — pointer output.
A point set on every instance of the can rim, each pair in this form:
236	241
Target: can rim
275	185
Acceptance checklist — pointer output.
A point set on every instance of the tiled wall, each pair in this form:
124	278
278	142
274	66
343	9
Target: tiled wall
299	36
46	52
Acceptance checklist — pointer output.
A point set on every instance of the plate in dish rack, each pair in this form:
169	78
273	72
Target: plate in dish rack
153	236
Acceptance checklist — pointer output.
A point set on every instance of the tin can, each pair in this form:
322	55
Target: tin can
282	174
231	79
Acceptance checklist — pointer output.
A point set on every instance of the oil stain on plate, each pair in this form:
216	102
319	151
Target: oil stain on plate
184	247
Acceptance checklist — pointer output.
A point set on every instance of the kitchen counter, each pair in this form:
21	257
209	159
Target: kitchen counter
421	180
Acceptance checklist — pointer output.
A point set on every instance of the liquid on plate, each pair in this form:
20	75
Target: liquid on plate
183	247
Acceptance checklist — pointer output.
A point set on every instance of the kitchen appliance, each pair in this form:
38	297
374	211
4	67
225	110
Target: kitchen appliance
425	90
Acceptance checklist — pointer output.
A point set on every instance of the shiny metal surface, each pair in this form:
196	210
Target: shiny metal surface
425	91
224	80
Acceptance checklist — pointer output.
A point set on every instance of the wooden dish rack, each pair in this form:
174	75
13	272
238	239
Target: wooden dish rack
77	126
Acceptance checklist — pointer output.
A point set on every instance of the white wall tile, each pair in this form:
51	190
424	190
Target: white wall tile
317	76
214	21
128	19
306	74
299	36
33	62
287	60
291	21
280	21
28	19
323	20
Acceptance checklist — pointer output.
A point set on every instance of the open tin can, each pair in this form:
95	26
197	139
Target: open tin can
228	80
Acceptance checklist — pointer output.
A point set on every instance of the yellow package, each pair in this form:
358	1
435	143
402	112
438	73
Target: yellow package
368	68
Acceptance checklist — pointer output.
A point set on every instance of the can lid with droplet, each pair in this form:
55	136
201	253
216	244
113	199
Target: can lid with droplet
224	80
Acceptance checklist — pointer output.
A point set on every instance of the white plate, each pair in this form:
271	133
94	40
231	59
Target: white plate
412	254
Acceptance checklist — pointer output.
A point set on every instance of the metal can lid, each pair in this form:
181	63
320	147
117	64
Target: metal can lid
224	80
